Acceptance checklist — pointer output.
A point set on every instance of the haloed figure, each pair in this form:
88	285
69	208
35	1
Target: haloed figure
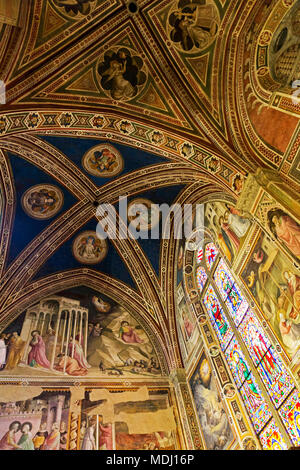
8	441
127	333
25	441
285	229
37	354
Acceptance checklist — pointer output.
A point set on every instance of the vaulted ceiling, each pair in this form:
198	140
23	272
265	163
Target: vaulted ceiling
179	105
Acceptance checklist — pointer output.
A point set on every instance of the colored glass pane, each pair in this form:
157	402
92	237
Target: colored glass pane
275	377
201	278
254	337
223	279
270	367
200	255
255	403
217	316
290	414
271	438
237	362
211	253
230	293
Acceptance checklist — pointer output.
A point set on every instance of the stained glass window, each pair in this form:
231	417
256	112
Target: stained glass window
230	293
290	414
254	337
201	278
271	438
223	279
237	362
255	403
256	358
211	253
217	316
270	367
275	377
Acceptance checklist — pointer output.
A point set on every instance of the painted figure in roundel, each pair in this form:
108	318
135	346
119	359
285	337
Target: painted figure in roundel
89	249
249	444
193	24
143	214
42	201
122	74
76	7
103	160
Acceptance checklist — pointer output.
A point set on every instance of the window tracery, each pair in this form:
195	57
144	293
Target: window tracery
263	380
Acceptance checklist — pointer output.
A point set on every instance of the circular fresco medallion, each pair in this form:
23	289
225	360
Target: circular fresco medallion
74	8
188	269
143	214
42	201
103	160
88	248
229	391
214	351
249	444
192	27
123	74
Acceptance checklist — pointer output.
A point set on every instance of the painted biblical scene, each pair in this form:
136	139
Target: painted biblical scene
285	229
42	201
38	423
229	227
186	324
274	283
79	333
133	424
103	160
88	248
193	25
143	214
122	74
213	419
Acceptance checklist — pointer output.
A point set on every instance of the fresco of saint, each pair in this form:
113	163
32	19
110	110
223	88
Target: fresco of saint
228	225
213	420
286	230
8	441
25	442
127	333
103	339
15	350
37	354
194	24
42	201
103	160
272	281
88	248
38	423
121	74
142	214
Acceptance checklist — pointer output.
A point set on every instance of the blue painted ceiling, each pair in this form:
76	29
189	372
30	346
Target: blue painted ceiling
26	228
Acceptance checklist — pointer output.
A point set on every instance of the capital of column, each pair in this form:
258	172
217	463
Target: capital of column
178	376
